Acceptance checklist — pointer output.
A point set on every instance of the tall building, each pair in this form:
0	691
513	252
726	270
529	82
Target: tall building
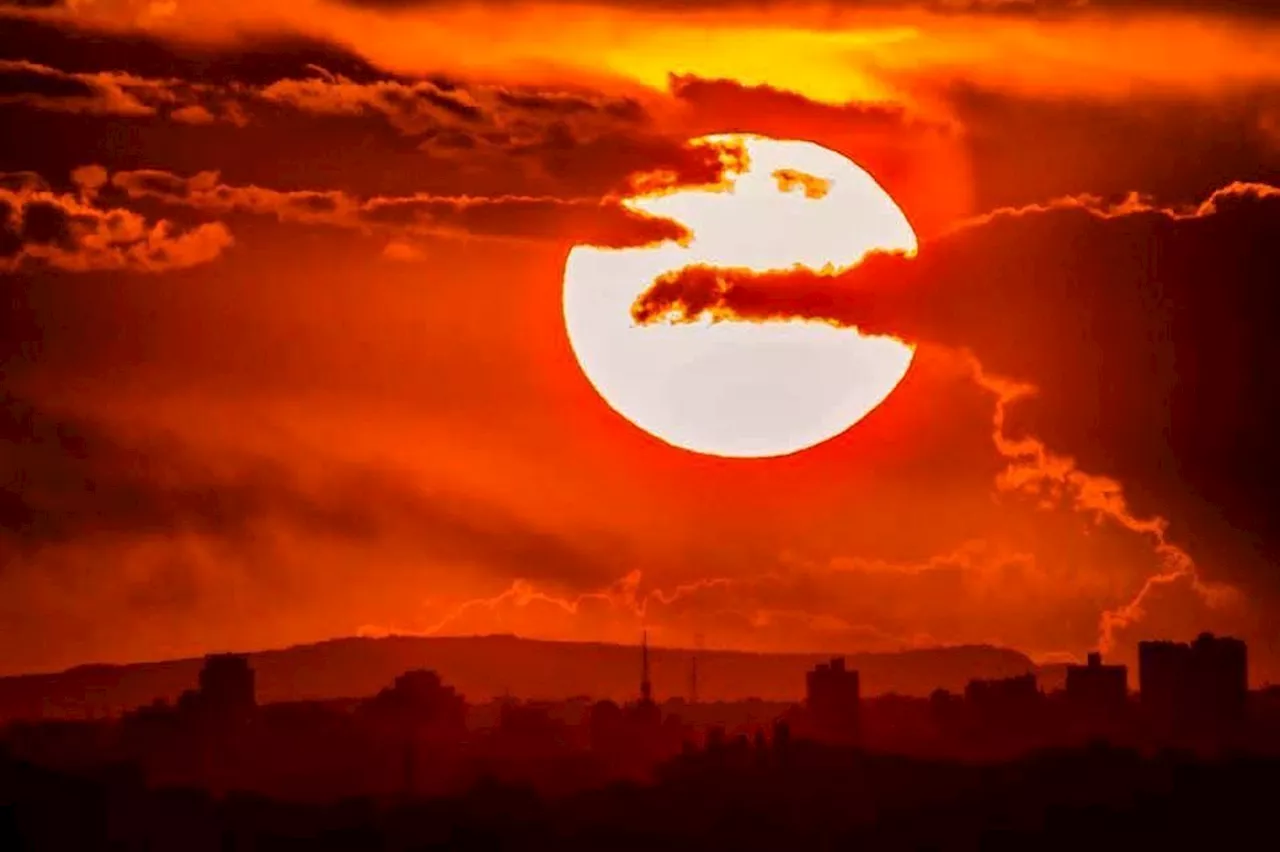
1193	689
1097	693
833	696
1164	674
1222	672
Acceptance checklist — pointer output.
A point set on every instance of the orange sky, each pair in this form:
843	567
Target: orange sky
290	363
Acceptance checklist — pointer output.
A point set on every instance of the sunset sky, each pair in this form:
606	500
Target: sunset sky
284	357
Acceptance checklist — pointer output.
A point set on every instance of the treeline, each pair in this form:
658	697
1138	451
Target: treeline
738	798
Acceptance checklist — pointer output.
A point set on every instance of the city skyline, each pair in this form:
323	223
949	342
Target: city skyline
627	425
1167	671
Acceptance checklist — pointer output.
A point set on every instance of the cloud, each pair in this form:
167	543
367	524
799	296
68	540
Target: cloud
522	141
724	96
1114	309
416	107
1055	479
919	152
74	44
596	221
846	604
141	542
562	132
23	182
850	50
75	478
1050	265
772	611
67	232
1107	145
742	612
1055	9
569	135
1106	308
115	94
946	141
405	252
48	88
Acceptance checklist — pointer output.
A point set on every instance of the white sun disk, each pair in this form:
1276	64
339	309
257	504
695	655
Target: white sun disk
730	388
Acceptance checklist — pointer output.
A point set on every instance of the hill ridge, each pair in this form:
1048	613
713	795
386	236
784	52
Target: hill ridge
493	664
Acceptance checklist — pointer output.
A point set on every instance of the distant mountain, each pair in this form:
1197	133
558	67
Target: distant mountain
482	667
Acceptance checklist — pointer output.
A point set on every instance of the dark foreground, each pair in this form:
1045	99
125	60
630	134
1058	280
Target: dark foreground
740	797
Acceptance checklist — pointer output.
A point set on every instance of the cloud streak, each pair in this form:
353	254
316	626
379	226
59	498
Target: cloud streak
571	134
73	478
596	221
964	292
1033	262
1055	479
40	227
846	604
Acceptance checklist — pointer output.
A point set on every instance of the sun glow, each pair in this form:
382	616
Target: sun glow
743	389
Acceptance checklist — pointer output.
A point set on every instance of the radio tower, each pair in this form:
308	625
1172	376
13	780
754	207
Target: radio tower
646	688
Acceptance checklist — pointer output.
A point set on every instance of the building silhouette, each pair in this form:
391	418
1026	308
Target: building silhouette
1097	696
419	701
947	714
1193	690
1002	697
833	697
631	739
1005	713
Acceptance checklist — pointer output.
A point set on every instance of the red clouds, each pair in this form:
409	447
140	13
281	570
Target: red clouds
1147	329
595	221
63	231
1108	309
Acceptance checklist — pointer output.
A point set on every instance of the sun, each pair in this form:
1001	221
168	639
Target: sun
743	389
